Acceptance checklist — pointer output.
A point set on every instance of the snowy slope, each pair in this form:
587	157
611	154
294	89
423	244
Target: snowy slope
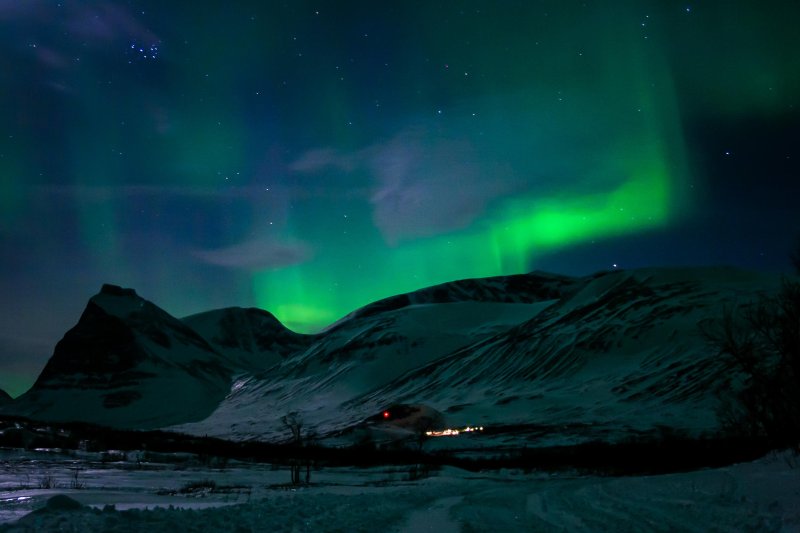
251	339
605	356
338	367
523	288
621	356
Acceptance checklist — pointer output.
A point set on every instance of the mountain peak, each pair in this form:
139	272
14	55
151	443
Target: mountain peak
128	363
122	302
116	290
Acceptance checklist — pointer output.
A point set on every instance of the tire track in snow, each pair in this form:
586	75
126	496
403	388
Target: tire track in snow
434	518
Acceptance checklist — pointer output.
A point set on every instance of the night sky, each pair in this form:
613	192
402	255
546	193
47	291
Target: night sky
310	157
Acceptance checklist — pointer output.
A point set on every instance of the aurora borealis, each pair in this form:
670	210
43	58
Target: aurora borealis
311	157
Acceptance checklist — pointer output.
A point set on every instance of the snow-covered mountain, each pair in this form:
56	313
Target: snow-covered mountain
251	339
540	356
128	363
566	359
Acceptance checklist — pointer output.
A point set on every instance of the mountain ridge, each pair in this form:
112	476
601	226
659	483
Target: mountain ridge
614	353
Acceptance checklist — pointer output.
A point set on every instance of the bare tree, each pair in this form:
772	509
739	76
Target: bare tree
762	343
294	421
421	429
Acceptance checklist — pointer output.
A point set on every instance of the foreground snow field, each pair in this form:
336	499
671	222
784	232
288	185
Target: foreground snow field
758	496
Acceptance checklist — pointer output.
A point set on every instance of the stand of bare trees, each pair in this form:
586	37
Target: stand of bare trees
761	344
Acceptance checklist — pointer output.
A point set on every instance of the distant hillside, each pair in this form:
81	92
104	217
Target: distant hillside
536	359
4	397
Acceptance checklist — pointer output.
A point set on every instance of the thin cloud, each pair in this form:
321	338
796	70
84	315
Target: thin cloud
257	254
423	185
102	193
320	159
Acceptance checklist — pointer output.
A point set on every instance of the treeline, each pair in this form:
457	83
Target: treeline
760	342
645	455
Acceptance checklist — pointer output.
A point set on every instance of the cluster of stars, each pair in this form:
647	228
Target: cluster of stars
143	52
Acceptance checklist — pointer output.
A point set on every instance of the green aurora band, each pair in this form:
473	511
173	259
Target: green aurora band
506	241
304	297
610	160
646	156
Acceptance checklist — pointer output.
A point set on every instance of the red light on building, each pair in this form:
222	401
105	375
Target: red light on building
386	414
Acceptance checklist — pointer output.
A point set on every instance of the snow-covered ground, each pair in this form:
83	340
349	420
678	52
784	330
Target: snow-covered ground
759	496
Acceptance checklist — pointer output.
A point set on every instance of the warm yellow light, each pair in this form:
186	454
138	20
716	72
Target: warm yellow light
449	432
